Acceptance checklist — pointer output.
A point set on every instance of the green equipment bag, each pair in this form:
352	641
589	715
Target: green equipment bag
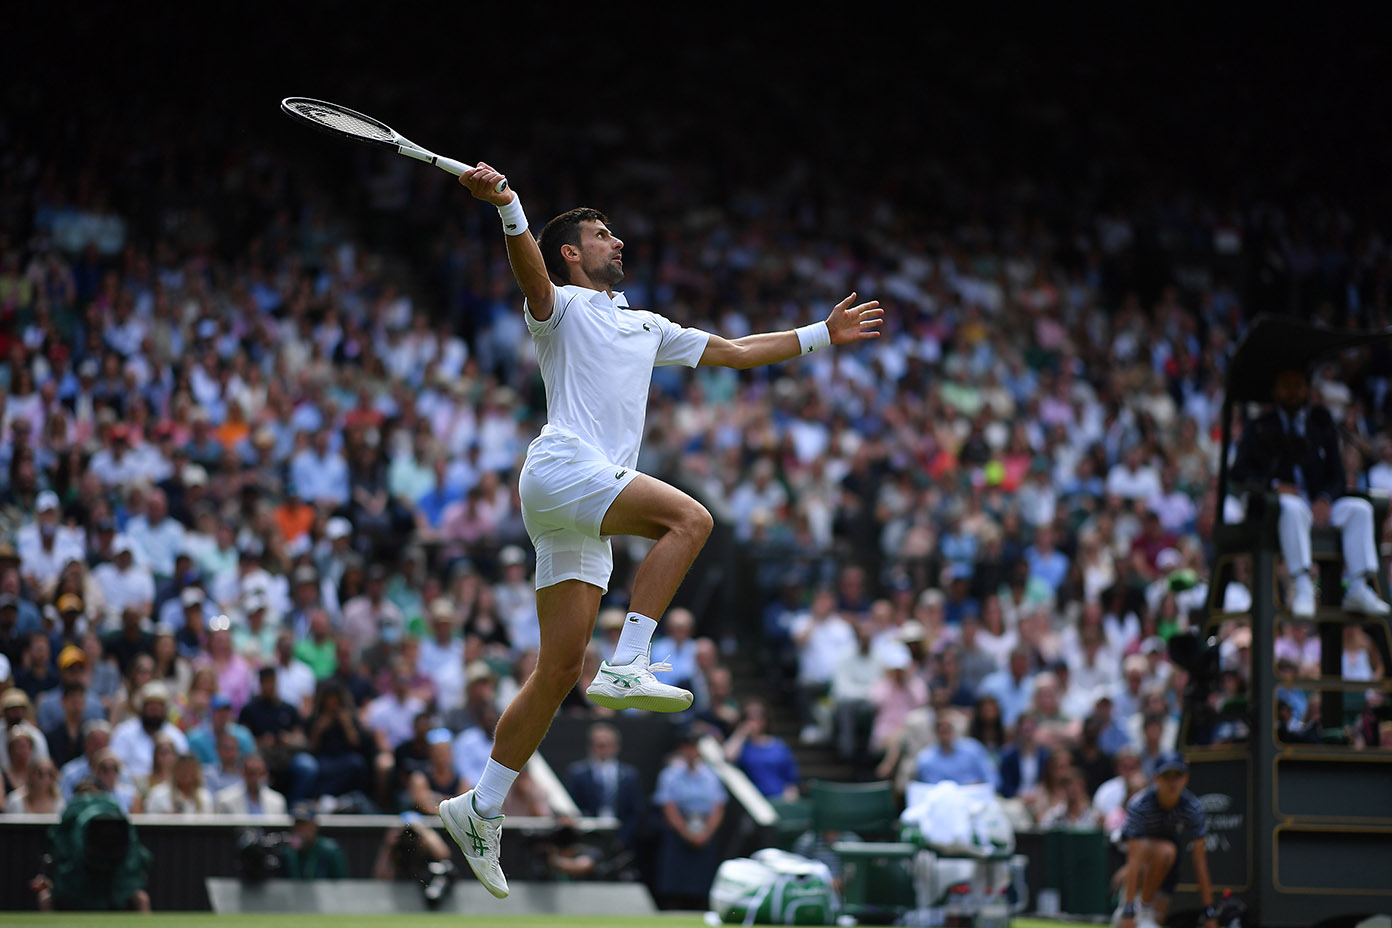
774	888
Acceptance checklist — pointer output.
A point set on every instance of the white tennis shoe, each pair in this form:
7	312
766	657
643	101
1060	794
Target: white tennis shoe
1302	602
481	839
633	686
1361	599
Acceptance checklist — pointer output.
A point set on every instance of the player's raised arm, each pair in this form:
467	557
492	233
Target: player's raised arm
523	254
846	324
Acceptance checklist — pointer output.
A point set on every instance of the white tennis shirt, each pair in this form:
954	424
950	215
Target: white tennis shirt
596	357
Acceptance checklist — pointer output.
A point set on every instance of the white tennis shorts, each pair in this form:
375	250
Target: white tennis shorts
566	486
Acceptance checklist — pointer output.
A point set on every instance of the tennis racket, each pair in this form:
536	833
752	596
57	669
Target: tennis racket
357	127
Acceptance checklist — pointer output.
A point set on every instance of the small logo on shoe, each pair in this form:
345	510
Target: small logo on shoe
645	328
622	679
476	840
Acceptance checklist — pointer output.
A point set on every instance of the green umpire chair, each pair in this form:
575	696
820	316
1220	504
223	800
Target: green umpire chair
877	876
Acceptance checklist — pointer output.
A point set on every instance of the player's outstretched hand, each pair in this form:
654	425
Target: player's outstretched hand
481	181
849	323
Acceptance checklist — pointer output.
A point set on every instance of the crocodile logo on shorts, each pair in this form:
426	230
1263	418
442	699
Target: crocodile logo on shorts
620	474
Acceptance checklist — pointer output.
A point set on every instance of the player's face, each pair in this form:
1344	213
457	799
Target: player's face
601	254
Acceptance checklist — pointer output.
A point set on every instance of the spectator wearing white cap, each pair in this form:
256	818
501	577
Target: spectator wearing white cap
133	741
896	693
45	545
124	582
515	597
189	619
255	636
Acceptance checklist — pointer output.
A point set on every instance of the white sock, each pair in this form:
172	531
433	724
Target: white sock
1357	584
634	640
492	789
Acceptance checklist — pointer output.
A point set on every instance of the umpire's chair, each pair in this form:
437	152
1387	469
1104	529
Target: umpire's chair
877	877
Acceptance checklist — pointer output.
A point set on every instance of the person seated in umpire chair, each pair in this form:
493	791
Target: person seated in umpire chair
1294	450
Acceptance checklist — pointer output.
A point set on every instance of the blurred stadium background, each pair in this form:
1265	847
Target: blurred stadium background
288	378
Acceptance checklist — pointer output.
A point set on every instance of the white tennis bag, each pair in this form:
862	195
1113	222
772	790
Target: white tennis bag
953	819
774	888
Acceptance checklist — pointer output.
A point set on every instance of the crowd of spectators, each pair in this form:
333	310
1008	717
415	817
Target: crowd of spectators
259	532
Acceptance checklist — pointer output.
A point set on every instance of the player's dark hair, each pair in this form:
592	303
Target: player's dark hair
564	230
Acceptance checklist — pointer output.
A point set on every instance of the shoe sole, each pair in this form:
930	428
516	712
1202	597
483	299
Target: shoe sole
638	701
455	833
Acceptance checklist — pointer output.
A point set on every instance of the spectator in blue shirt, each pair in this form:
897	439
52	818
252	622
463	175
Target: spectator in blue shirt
1013	687
765	759
1045	561
959	759
203	737
319	473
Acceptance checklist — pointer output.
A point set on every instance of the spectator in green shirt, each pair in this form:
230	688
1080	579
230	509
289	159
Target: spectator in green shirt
309	855
318	648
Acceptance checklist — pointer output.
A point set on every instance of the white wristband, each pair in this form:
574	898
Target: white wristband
514	220
814	336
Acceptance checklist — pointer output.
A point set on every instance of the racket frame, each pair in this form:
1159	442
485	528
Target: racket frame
398	142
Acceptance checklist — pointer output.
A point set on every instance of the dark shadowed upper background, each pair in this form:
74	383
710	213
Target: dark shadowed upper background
656	108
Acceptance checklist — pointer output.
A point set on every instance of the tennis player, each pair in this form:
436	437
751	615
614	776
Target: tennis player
1161	820
579	484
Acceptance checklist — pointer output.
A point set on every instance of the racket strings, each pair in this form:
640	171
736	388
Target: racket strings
343	122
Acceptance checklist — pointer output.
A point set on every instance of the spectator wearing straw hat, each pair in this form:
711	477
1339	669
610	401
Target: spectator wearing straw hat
133	740
16	711
442	654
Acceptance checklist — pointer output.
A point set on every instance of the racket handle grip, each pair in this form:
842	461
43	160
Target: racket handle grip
458	167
